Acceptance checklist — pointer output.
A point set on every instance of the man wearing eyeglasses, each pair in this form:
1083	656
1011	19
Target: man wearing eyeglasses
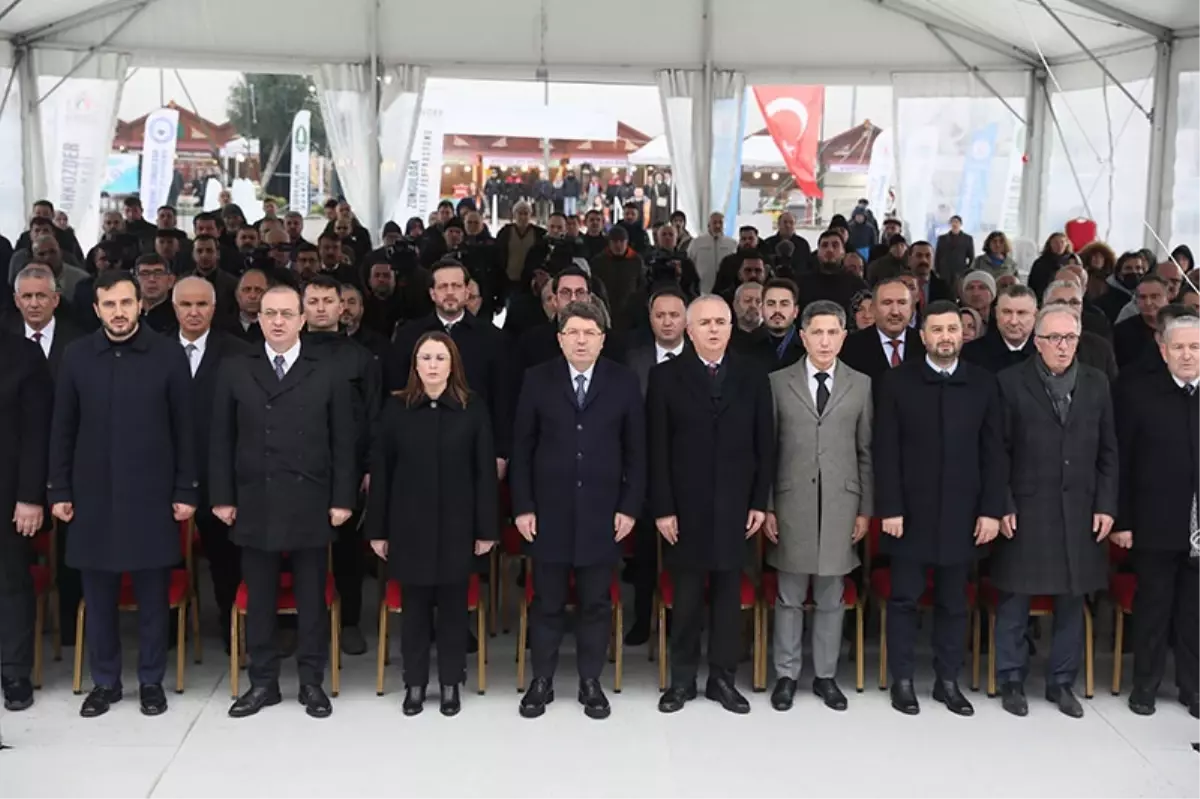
155	278
1094	349
1062	455
540	343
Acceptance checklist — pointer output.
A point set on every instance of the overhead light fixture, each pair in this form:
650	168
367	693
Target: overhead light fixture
447	170
757	175
774	176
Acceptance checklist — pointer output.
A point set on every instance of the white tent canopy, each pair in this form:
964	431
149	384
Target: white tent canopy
1029	56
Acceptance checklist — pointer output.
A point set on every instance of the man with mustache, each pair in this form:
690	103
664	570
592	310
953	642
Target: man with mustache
891	341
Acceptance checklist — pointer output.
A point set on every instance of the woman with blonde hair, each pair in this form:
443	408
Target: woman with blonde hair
432	510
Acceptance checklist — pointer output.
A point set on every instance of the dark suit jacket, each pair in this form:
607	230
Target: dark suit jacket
219	348
1133	339
765	350
578	467
643	358
65	331
992	352
26	400
863	351
712	456
282	451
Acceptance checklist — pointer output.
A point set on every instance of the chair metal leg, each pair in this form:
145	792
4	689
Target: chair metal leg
760	677
39	621
235	654
1118	647
991	684
619	645
335	642
243	657
481	656
653	618
1089	670
80	616
381	663
180	644
501	607
975	648
197	646
522	632
860	660
883	682
662	647
493	589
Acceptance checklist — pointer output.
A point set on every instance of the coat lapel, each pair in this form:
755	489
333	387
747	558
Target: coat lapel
597	384
798	383
264	374
1033	385
841	386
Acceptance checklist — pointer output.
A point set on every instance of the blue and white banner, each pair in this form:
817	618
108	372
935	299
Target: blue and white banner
976	174
158	157
299	198
122	174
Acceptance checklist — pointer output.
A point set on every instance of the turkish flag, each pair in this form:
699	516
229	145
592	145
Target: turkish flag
793	116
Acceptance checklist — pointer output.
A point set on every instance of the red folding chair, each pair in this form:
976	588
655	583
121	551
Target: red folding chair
851	598
1122	588
179	595
616	640
879	579
393	602
285	605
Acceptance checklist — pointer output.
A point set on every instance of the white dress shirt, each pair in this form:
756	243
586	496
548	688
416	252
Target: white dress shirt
661	353
813	383
47	339
447	324
587	378
709	364
1011	348
196	357
951	369
1184	383
886	341
289	357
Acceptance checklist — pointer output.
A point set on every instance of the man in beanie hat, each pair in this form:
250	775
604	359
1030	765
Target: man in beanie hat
979	292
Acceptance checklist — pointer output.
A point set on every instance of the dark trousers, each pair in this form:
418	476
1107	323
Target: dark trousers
348	569
16	605
548	617
451	627
70	587
949	617
101	591
1166	603
260	570
1012	644
224	563
644	570
724	631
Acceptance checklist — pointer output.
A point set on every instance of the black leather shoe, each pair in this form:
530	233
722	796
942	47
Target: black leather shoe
904	697
1012	698
828	690
947	692
1064	697
595	703
99	700
676	697
722	689
1142	702
784	693
451	702
414	700
18	694
1192	701
540	694
254	700
638	635
153	700
316	703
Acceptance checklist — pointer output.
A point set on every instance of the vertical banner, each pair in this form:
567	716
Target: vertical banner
77	123
917	162
299	198
728	131
881	171
793	116
976	174
422	186
1010	209
158	157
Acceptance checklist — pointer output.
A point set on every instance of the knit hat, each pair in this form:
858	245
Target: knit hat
983	277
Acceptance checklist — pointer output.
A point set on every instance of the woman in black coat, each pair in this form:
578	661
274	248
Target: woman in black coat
432	510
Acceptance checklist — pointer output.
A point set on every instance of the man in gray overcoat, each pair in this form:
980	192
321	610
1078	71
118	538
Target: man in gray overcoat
822	499
1062	446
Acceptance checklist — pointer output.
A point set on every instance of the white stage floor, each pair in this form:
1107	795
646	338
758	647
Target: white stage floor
368	748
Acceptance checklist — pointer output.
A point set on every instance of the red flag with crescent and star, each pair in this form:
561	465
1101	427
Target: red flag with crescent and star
793	117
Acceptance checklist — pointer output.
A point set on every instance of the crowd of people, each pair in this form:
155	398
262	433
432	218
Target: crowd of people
864	404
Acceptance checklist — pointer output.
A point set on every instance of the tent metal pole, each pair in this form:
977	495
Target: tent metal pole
988	41
9	8
373	177
1160	172
975	72
12	77
89	15
1160	32
706	110
91	52
1108	74
1066	151
1037	141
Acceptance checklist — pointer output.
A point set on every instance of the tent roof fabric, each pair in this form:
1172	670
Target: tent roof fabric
511	40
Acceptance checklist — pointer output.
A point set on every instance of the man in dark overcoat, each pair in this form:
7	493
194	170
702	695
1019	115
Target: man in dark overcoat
283	477
1157	428
206	348
122	471
889	342
26	399
1062	451
578	483
940	479
711	433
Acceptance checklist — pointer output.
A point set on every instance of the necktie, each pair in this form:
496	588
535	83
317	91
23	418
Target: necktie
822	391
580	390
37	337
449	329
190	349
1190	388
279	370
668	356
713	369
896	359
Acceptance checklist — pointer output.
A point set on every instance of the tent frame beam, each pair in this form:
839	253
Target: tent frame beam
1162	137
1107	73
985	40
975	72
88	15
1160	32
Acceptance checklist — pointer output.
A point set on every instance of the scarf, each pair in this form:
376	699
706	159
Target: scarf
1059	387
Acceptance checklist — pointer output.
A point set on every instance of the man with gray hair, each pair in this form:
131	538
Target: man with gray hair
1009	340
1062	456
514	241
1094	349
822	500
38	300
1158	431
